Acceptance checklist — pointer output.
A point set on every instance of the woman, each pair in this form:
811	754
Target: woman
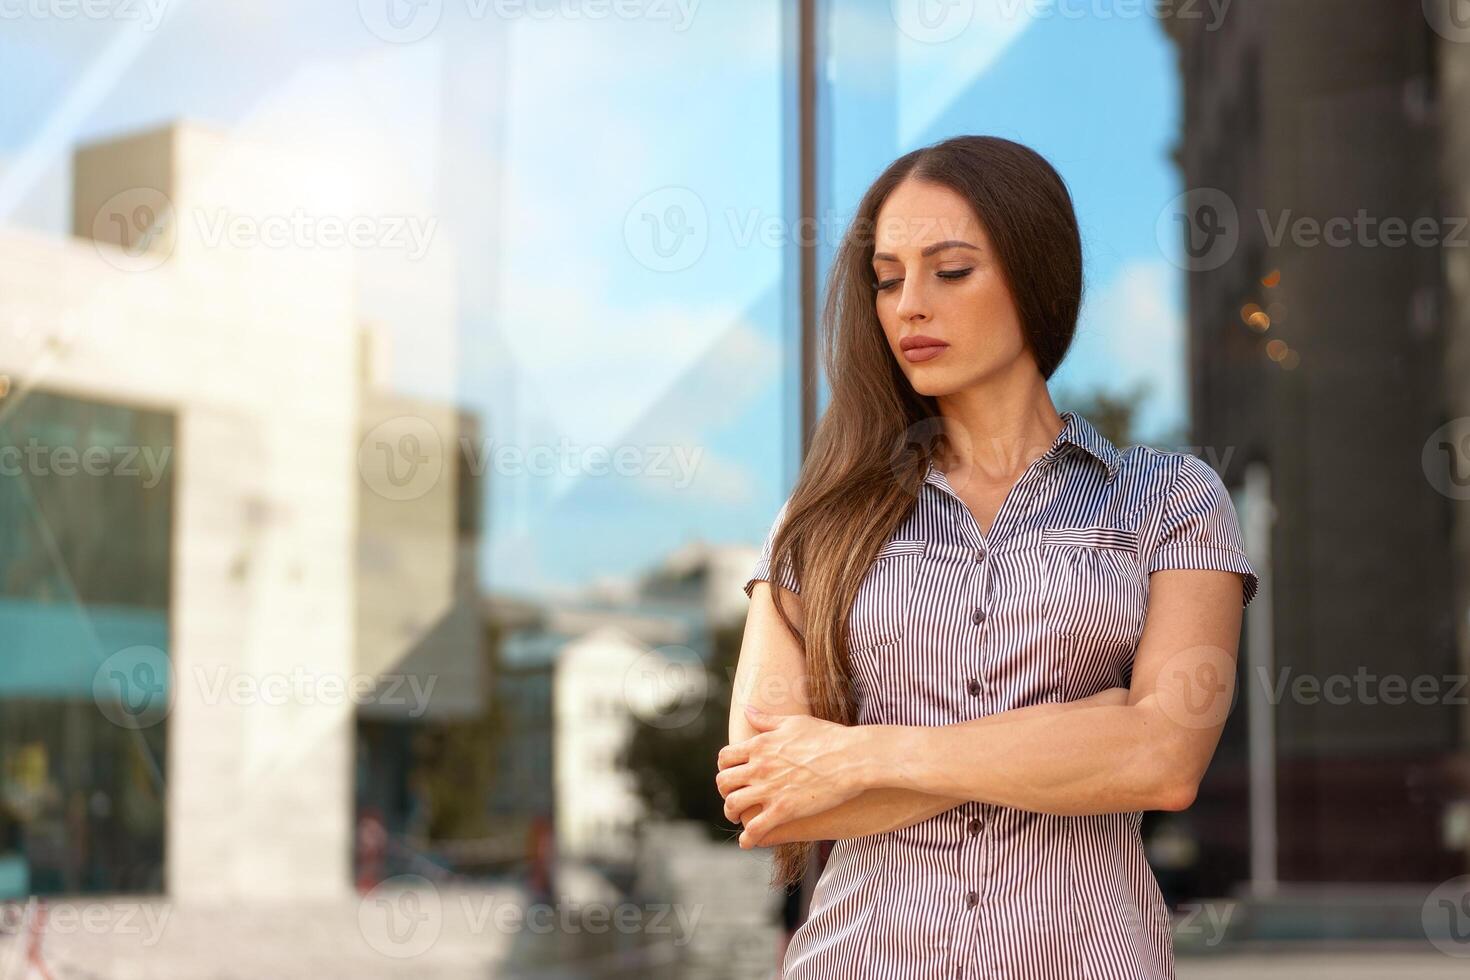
999	639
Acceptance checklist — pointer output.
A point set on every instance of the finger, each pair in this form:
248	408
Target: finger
733	754
738	802
757	828
729	780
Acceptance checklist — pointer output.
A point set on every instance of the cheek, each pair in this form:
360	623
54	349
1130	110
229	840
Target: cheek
988	314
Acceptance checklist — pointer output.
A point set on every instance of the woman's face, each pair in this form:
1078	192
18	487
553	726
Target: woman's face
938	280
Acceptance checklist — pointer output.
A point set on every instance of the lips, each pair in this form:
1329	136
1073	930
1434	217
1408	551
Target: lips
921	348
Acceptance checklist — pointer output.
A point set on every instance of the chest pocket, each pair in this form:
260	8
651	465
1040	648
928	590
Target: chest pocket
883	606
1095	587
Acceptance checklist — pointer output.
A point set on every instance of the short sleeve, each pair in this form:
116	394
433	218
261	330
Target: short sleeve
762	570
1199	527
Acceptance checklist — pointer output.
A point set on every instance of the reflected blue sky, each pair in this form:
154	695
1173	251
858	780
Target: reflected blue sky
538	144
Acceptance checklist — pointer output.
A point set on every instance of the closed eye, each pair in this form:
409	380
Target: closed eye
948	274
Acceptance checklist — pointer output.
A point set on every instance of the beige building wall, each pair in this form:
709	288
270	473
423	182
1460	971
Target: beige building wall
418	621
253	348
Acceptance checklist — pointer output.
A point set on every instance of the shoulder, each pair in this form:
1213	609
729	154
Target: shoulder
1151	474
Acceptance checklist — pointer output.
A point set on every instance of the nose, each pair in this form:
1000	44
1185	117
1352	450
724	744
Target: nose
912	303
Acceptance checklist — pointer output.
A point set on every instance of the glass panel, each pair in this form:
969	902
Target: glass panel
464	332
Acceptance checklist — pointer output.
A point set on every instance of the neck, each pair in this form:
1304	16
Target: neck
997	428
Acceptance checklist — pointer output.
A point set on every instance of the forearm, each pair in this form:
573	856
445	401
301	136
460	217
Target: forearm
886	808
873	811
1100	758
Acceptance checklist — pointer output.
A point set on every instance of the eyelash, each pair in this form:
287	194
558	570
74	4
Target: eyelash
950	274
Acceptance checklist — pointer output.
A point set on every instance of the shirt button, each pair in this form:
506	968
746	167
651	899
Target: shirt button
978	617
973	687
972	899
974	826
979	557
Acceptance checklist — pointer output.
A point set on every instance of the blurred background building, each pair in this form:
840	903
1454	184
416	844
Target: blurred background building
1324	361
253	536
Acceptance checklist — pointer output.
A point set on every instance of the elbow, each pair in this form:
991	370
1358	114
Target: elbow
1177	794
1177	777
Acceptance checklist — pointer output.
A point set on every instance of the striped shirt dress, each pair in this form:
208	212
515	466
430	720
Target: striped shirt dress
950	624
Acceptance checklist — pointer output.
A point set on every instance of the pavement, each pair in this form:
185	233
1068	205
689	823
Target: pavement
1338	964
718	922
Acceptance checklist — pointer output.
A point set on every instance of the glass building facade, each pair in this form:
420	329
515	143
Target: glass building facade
387	426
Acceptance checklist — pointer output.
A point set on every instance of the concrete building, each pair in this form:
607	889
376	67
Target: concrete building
278	571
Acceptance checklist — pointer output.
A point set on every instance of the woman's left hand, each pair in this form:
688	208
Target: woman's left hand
794	766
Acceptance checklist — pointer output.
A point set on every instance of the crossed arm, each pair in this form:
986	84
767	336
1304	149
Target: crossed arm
788	776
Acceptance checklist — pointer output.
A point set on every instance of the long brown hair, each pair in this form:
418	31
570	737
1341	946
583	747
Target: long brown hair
873	442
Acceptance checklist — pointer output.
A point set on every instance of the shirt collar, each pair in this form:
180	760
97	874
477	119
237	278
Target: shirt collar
1076	431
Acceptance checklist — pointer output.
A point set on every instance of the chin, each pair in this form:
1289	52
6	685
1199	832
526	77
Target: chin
936	381
935	384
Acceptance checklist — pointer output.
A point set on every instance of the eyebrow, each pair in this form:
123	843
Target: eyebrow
928	250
